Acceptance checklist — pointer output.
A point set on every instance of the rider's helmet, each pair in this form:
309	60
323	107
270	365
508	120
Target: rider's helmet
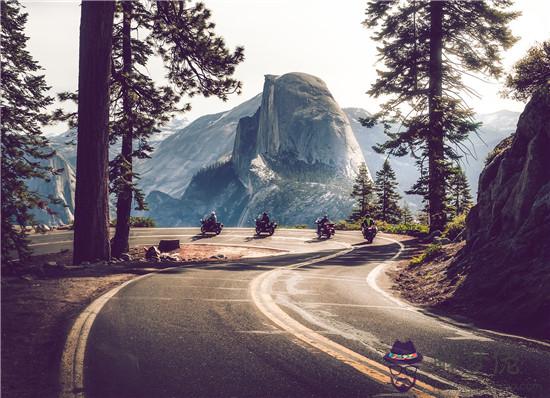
264	213
213	213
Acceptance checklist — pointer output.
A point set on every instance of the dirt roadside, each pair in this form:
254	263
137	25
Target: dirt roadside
40	302
437	286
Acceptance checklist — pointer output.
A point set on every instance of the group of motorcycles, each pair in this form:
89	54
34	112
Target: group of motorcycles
262	227
325	229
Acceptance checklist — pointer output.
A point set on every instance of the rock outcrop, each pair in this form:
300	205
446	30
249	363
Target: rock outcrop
507	255
207	140
301	122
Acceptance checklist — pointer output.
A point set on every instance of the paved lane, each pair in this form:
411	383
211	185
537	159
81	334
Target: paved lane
196	333
335	296
296	240
201	332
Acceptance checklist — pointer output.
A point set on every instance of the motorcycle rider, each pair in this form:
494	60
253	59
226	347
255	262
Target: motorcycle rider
367	221
264	218
321	222
212	219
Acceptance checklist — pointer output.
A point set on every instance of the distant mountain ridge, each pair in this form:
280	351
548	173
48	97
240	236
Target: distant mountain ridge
183	150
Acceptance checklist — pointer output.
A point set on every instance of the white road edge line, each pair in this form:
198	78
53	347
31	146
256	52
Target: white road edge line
71	369
71	372
450	323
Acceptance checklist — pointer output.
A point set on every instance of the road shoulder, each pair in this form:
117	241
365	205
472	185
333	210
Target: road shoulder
432	288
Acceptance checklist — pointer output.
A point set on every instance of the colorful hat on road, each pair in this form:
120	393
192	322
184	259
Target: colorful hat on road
403	354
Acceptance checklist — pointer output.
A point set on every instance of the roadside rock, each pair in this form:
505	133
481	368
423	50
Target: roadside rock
152	254
169	257
42	228
432	237
52	268
125	257
169	245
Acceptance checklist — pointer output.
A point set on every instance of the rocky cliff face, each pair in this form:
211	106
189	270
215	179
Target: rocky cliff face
295	156
207	140
59	186
300	121
507	255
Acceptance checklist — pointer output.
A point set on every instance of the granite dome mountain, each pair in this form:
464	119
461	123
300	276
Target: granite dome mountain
295	156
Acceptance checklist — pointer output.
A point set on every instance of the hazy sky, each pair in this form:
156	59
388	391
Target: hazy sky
321	37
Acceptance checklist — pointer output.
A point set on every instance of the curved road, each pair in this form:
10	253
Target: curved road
311	323
291	240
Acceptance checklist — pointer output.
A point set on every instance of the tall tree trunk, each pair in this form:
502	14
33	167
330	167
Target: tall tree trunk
436	180
124	199
91	234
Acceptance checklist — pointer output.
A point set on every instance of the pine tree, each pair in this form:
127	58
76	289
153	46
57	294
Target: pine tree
420	187
387	207
426	48
138	107
363	193
197	62
406	216
459	197
91	232
23	103
530	73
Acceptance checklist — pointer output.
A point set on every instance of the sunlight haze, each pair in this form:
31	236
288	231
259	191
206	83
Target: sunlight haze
319	37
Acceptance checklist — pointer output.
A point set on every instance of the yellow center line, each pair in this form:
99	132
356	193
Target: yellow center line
259	289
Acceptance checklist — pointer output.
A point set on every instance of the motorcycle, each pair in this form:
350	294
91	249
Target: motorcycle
207	226
327	230
369	233
262	227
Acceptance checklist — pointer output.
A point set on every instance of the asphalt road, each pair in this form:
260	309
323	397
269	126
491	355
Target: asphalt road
292	240
268	328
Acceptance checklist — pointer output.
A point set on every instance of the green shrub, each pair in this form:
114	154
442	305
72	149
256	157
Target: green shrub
344	225
455	227
501	147
143	222
300	226
431	252
413	229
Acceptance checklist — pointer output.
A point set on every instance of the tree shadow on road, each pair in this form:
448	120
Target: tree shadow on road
255	237
201	236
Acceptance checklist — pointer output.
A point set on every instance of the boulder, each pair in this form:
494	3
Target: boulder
52	268
42	228
169	257
152	254
442	241
169	245
125	257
